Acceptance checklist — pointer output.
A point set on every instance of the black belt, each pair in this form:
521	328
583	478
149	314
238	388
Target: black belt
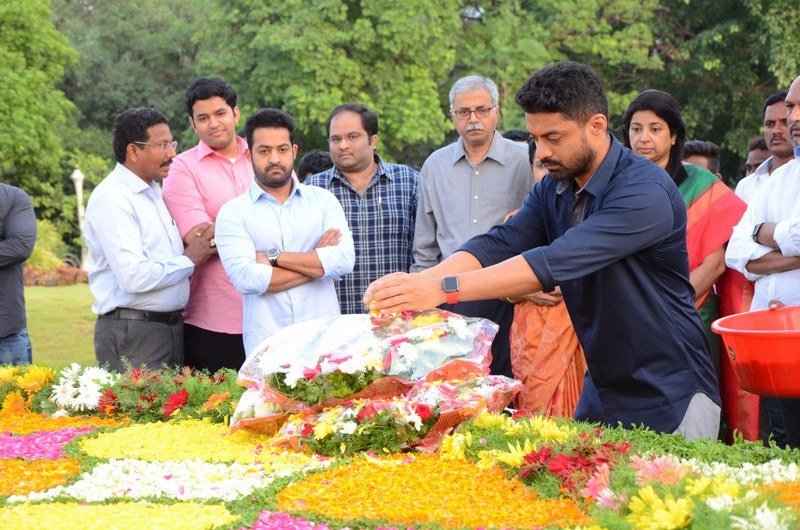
125	313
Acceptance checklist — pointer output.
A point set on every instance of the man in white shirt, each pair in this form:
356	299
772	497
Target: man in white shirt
779	143
765	245
138	267
282	243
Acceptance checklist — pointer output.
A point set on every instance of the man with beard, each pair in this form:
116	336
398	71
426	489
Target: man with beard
138	267
466	188
765	245
610	229
282	243
779	143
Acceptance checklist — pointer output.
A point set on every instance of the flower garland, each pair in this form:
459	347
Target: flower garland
25	476
464	494
45	444
180	516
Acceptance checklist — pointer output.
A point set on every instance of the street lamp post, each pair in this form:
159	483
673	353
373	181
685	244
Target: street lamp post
77	179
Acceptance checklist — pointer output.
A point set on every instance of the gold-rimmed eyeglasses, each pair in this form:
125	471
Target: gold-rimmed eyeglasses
164	147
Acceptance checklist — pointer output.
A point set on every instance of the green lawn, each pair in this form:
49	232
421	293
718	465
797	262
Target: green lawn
61	325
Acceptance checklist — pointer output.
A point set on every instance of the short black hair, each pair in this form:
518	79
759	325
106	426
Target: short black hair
516	135
271	119
710	150
369	119
573	89
777	97
756	144
531	151
207	88
665	107
313	162
130	127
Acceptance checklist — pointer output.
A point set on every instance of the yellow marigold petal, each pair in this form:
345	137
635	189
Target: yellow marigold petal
20	477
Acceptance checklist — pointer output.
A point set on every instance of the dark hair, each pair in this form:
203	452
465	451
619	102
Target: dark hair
270	119
710	150
369	120
207	88
777	97
531	151
130	127
756	144
573	89
516	135
313	162
664	106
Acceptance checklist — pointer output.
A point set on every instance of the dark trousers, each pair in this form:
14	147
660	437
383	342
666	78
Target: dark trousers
791	417
501	313
210	350
151	344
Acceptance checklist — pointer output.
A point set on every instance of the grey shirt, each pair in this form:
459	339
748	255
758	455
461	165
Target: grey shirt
17	237
459	200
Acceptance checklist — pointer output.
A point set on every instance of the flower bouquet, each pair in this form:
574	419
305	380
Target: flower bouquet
323	362
378	425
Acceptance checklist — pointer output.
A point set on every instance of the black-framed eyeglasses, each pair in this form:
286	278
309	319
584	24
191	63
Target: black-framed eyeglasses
480	112
164	147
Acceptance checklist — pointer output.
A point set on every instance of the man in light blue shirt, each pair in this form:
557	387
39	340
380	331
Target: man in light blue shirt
283	244
138	267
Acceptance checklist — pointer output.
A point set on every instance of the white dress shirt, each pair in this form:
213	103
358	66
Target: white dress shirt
778	202
256	221
747	188
135	251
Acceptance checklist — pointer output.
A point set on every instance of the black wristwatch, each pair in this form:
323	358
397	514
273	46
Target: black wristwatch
272	255
755	232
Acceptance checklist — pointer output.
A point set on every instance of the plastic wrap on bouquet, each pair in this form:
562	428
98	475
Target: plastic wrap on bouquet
457	401
323	362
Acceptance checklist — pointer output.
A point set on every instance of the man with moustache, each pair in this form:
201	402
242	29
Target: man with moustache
468	187
138	267
765	245
609	228
200	181
379	201
779	143
282	243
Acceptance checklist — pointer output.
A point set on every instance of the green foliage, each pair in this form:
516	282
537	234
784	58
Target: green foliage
49	248
336	385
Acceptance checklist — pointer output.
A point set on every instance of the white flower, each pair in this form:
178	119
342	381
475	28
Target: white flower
70	373
293	375
723	503
407	351
763	517
96	375
62	394
461	327
88	396
348	427
60	413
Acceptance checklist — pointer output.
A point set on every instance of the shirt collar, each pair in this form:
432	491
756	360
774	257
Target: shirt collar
763	169
130	179
602	175
381	170
255	191
797	152
203	150
497	150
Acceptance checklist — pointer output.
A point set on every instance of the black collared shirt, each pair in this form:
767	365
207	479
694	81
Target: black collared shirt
17	237
624	274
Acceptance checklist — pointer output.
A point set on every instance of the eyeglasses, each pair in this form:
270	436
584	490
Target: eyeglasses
352	137
480	112
164	147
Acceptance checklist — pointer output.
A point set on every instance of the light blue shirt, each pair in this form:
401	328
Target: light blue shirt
135	251
256	221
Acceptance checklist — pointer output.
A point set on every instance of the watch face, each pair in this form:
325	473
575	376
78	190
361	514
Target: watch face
273	253
450	284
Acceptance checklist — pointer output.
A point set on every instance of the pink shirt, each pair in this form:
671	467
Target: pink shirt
200	181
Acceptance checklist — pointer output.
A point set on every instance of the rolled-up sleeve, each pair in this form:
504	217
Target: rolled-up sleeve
633	217
787	236
741	247
340	259
238	253
20	230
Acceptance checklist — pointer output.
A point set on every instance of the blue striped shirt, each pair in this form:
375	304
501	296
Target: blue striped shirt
382	223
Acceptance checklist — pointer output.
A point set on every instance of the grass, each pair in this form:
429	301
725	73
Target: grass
61	325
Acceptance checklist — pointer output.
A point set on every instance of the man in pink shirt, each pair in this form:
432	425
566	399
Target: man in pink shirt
200	181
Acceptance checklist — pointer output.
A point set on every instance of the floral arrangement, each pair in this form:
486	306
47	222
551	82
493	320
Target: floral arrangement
22	387
80	389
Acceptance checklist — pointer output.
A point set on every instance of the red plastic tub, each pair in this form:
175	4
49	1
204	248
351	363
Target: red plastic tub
764	347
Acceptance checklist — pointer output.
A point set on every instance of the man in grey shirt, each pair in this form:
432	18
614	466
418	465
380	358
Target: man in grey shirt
468	187
17	237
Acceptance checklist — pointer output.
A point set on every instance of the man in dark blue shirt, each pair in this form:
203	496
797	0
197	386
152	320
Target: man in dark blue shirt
610	229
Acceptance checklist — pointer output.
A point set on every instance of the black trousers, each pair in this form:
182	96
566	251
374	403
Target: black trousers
210	350
501	313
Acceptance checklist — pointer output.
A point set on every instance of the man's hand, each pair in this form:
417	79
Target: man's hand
199	244
775	304
546	299
401	291
330	238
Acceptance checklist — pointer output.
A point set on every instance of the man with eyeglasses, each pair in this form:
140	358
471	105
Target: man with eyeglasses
200	181
138	267
468	187
379	201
